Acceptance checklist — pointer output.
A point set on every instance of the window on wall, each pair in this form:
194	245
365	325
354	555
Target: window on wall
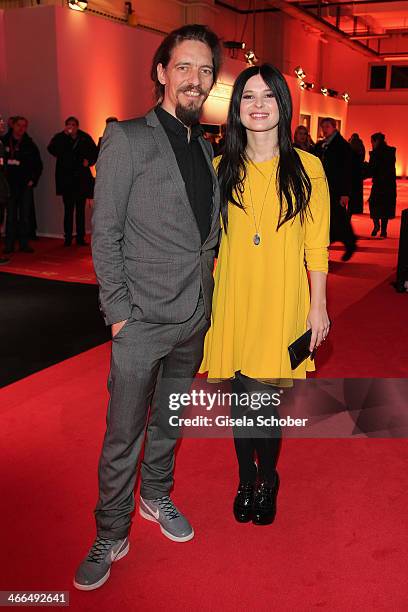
387	77
378	77
399	77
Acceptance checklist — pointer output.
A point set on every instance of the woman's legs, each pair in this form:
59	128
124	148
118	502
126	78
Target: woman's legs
260	440
244	444
384	223
376	227
265	439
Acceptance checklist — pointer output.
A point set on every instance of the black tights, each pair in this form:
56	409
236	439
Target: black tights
260	441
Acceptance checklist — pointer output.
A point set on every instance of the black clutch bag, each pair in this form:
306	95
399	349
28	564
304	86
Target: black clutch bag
299	349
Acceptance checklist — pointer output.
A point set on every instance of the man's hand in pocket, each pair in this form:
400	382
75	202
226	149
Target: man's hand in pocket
116	327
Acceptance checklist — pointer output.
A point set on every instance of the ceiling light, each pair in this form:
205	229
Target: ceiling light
234	44
305	85
395	58
251	57
300	73
78	5
324	91
346	97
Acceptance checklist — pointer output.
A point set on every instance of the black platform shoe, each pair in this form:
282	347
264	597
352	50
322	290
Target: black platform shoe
264	509
243	502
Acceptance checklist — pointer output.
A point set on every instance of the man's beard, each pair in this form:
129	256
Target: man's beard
190	115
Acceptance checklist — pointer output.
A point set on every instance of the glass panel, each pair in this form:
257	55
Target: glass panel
378	77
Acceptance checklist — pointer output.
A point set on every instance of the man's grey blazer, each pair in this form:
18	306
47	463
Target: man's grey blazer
146	244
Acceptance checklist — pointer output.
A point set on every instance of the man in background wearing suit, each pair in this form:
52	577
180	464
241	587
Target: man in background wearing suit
155	230
336	155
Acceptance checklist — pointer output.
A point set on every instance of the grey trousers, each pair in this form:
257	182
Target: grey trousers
149	361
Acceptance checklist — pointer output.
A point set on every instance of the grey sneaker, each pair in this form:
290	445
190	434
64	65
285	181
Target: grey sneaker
95	568
172	523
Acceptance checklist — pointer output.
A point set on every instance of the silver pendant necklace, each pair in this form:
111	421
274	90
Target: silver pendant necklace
257	238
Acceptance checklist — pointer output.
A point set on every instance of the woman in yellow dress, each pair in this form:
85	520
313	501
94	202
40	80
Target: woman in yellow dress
275	228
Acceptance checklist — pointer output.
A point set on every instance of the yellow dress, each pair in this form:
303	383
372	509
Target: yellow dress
261	296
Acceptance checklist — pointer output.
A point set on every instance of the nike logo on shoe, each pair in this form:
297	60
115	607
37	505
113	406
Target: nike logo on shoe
156	513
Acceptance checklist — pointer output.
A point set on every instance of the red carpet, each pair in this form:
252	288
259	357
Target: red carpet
54	261
339	540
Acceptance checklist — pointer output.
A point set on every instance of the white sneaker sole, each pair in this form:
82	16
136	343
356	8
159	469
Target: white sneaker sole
96	585
166	533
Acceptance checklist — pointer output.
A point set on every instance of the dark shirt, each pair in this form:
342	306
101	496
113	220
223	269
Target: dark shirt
193	167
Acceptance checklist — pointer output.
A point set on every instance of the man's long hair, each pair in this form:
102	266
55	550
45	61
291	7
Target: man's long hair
293	184
188	32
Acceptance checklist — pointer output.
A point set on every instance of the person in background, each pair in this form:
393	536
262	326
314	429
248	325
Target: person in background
76	152
302	139
383	196
356	202
23	171
107	121
335	153
10	122
4	187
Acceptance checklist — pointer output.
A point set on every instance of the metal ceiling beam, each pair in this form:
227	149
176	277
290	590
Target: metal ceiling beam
234	9
306	5
300	14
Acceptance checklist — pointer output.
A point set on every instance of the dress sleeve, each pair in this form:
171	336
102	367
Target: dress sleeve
317	222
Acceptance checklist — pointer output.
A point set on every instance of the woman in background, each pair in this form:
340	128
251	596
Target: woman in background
302	139
356	201
383	196
275	214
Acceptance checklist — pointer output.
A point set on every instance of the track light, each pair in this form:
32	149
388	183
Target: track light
329	92
300	73
234	44
305	85
78	5
346	97
251	57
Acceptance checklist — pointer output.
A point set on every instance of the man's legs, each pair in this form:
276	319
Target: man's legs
341	229
80	219
136	354
69	204
137	351
24	205
178	371
11	223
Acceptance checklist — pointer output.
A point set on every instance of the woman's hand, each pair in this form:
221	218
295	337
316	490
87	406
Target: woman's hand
319	322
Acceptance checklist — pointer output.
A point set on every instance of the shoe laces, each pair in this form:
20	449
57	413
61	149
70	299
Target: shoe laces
166	505
99	549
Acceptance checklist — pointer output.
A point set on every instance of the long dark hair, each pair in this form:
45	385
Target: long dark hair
188	32
294	186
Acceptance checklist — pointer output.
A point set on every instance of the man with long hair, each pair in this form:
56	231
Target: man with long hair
155	229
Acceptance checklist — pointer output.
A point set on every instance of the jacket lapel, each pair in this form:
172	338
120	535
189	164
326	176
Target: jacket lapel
170	160
215	211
